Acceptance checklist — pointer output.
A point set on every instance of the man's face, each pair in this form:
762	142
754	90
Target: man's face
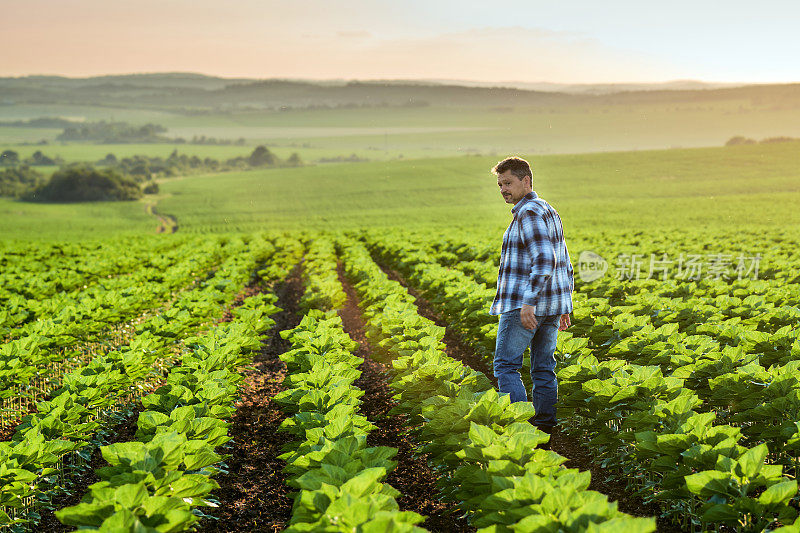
512	188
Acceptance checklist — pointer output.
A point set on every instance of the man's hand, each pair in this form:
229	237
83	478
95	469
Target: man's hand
565	322
527	317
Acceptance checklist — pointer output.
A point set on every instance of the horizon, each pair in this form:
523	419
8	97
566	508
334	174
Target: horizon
344	80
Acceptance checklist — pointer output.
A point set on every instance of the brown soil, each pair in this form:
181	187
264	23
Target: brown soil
578	455
415	480
253	495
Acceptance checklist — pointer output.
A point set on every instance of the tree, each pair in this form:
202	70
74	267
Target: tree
9	157
84	183
109	159
38	158
261	156
294	160
17	180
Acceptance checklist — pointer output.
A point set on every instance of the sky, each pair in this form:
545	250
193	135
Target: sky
563	41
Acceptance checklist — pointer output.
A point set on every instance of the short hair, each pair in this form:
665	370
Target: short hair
518	167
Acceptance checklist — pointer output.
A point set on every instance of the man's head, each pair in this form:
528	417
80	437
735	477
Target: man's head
514	177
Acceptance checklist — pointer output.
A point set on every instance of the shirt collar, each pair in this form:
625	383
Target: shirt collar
530	196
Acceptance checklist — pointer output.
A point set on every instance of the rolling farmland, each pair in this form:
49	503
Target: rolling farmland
311	350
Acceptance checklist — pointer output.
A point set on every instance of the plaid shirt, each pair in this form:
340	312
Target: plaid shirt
534	265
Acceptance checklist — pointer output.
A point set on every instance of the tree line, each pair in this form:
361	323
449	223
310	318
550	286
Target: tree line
112	178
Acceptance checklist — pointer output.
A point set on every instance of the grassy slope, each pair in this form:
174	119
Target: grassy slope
707	190
714	188
20	220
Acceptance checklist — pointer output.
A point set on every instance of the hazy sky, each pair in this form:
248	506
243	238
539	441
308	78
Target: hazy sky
498	40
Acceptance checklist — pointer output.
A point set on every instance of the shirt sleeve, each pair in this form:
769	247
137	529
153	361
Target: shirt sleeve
536	239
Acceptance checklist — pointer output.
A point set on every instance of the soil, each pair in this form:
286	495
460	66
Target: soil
578	455
415	480
253	495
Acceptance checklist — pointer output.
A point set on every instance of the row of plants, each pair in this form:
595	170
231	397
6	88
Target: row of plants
111	299
43	351
323	290
339	477
735	349
624	409
483	446
63	432
158	481
34	271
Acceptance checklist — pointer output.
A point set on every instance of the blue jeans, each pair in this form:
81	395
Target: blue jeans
512	340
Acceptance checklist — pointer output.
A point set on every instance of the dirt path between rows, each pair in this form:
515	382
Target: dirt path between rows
253	495
415	480
454	347
578	455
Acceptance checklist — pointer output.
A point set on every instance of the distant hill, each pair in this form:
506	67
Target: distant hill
595	88
197	93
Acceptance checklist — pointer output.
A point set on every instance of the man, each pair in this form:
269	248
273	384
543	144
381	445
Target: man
534	292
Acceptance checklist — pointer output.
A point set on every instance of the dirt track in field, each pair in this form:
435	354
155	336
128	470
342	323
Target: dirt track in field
413	477
578	455
253	495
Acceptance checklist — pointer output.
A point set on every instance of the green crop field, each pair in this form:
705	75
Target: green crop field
235	375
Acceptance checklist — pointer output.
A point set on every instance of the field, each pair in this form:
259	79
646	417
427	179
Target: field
435	132
666	383
311	350
716	190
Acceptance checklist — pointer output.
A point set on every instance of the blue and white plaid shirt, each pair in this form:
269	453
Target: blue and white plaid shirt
534	265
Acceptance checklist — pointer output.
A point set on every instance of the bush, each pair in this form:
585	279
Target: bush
38	158
294	160
113	132
18	180
84	183
9	157
261	156
151	188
